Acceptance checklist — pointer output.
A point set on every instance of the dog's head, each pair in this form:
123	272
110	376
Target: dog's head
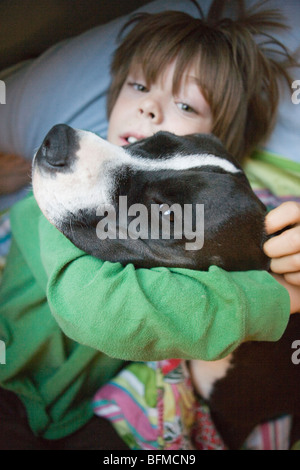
146	202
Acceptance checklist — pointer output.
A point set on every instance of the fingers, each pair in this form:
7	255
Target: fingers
293	278
285	244
284	249
284	215
286	264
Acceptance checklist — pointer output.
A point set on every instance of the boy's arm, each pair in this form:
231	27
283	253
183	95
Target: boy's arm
150	314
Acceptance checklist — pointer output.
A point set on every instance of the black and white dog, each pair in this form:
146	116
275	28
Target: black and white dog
76	172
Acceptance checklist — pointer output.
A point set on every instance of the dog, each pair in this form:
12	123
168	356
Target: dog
79	178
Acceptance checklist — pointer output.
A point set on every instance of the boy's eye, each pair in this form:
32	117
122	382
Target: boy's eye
137	86
185	107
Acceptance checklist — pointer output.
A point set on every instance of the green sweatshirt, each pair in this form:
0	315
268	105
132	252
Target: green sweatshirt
68	319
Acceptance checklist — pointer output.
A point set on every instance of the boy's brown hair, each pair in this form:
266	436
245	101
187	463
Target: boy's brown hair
239	65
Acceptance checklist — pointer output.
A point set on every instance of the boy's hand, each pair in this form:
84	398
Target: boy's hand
284	249
15	173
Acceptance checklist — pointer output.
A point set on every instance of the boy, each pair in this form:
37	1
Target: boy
67	315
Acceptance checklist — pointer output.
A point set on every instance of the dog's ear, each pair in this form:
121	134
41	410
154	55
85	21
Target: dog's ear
234	230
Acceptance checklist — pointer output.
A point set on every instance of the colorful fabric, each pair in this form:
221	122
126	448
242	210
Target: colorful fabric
204	434
271	201
5	239
153	407
273	175
273	435
5	235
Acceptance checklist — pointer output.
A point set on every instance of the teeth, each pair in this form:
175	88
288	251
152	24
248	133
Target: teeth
131	139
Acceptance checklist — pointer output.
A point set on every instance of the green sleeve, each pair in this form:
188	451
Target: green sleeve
151	314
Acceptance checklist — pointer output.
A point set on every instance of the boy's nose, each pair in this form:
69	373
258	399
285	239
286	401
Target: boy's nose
151	109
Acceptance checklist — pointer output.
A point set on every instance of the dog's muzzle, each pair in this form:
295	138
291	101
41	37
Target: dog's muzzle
58	149
71	172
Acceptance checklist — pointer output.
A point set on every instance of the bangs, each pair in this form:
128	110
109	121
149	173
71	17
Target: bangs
153	58
188	47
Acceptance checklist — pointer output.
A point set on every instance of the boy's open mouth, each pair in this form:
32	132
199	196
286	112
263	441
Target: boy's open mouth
132	138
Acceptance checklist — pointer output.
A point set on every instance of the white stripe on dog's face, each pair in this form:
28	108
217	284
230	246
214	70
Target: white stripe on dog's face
90	182
186	162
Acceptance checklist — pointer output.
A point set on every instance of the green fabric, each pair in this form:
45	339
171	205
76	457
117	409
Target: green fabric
52	361
54	377
277	161
268	171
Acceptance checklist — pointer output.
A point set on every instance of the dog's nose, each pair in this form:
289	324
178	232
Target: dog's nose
56	145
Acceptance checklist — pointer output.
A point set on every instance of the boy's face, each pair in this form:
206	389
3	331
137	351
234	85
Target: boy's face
141	111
